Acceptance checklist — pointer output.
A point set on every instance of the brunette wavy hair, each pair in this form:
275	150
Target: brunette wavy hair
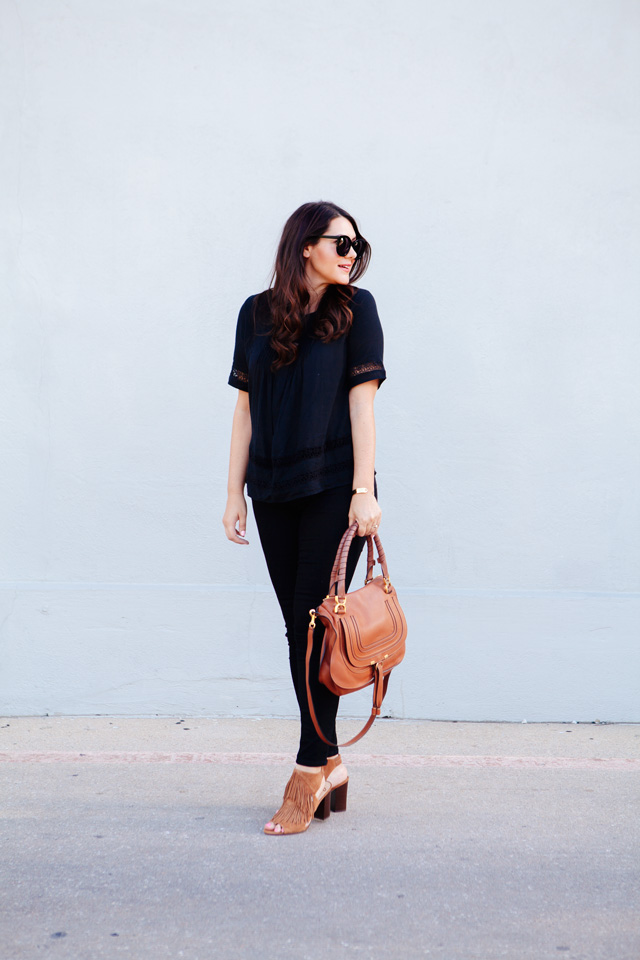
288	293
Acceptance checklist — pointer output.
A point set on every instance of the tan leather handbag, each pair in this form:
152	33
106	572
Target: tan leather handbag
364	633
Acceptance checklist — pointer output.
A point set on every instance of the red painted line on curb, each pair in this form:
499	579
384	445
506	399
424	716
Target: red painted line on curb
356	760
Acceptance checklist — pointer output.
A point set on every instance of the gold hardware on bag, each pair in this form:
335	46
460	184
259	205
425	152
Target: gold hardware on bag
312	622
387	585
341	605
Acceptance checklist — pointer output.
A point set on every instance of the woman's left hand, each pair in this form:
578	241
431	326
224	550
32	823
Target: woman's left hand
364	508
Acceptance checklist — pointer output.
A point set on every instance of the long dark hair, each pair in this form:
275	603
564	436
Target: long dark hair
289	295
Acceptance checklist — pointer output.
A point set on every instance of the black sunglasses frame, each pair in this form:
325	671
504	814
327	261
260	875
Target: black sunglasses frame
359	244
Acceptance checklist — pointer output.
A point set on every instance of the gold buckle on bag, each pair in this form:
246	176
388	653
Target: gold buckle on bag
341	605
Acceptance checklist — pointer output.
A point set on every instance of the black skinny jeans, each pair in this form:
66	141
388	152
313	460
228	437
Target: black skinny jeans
300	539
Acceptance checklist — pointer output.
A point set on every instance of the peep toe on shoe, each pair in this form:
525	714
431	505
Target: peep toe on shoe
337	779
305	795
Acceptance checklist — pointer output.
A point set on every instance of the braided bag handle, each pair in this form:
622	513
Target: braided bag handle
339	571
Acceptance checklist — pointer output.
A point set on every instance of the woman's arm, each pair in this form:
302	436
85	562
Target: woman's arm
364	506
235	514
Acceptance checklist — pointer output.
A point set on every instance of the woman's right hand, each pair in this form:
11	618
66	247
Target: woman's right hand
234	520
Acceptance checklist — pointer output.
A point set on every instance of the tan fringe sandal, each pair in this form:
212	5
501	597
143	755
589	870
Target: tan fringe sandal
307	794
311	792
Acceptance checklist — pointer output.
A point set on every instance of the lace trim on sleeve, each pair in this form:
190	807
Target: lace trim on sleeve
240	375
365	368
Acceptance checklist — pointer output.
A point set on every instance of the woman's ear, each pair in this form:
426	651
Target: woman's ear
307	251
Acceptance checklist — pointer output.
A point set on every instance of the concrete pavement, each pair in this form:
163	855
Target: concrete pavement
462	841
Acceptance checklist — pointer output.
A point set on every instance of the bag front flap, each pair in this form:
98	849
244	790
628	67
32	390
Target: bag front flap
373	625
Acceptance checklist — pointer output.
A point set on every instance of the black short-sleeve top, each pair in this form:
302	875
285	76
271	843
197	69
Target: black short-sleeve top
300	425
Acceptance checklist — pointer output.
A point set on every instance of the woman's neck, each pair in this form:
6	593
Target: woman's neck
315	296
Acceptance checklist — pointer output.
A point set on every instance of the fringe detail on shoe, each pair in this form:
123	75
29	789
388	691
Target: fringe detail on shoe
299	802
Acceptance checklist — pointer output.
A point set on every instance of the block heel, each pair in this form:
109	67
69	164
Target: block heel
338	797
324	807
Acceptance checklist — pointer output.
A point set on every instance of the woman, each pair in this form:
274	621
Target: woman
307	365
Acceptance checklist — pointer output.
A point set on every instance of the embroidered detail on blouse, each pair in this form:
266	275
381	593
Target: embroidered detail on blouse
311	475
240	375
365	368
308	453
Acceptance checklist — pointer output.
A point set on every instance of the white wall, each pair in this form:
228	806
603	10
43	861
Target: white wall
151	152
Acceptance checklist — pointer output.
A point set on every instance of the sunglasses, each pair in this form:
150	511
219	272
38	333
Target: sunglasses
344	244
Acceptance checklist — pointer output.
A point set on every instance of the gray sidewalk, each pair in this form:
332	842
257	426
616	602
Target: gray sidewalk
461	842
